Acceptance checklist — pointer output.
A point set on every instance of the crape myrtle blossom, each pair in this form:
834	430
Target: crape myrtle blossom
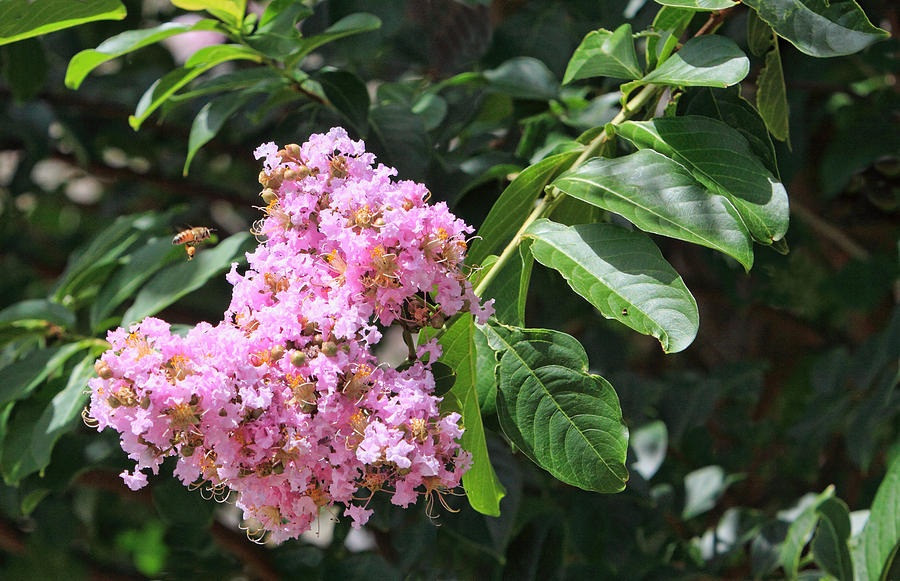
283	401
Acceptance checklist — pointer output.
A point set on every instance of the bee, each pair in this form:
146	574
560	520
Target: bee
191	237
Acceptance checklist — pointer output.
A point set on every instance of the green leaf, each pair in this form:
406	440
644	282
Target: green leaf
605	54
348	93
566	420
24	67
278	35
704	61
819	28
202	60
728	106
38	309
444	377
105	248
708	5
230	11
210	120
760	35
176	281
771	95
702	488
260	78
875	549
22	377
623	274
29	445
482	486
20	19
509	287
485	363
523	78
829	546
400	133
349	25
660	196
800	532
515	204
138	266
87	60
721	159
432	109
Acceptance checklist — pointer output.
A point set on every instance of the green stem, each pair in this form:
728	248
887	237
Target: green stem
551	199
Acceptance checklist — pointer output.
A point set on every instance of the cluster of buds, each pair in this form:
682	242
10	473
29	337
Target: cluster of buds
283	401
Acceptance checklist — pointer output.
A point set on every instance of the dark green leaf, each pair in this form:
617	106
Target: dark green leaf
509	286
402	138
138	266
624	276
23	376
605	54
260	78
760	35
31	452
24	67
482	486
349	95
202	60
87	60
181	507
349	25
875	549
38	309
20	19
659	195
563	418
728	106
485	384
176	281
829	546
515	204
432	109
444	377
278	35
699	4
820	28
721	159
523	78
704	61
800	532
771	96
210	120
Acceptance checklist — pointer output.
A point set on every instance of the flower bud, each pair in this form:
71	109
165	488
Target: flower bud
269	195
298	358
329	348
276	352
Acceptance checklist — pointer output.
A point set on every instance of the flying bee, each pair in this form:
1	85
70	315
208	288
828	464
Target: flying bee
191	237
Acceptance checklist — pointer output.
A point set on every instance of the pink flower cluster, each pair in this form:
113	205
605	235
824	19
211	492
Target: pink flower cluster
283	401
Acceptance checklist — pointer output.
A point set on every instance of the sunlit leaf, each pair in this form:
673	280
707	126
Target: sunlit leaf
20	19
605	54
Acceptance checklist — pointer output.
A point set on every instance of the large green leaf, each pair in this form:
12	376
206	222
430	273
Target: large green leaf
277	35
482	486
876	548
728	106
20	19
201	61
38	309
348	93
623	274
820	28
562	417
515	204
721	159
829	546
346	26
22	377
30	443
699	4
138	266
230	11
704	61
178	280
87	60
210	120
509	286
605	54
771	95
523	78
659	195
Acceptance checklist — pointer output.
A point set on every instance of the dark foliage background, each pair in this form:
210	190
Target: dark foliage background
788	389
